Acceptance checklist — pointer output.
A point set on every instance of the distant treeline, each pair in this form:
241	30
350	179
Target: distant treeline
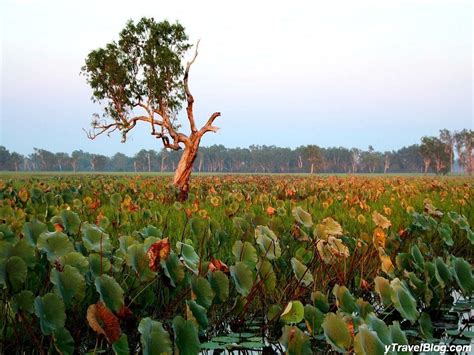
450	152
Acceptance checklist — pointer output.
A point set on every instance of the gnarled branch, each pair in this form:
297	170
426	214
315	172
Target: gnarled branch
189	96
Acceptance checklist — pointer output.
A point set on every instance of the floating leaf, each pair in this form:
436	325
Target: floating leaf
154	338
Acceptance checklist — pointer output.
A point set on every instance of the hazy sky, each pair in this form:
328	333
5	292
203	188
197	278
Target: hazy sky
332	73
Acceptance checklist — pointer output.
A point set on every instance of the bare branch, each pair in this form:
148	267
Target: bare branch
208	127
189	96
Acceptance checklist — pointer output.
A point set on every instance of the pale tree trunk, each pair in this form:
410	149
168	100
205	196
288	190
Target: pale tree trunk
312	168
386	164
427	163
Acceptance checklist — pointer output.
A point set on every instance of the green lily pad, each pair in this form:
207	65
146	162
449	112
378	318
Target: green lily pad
366	342
337	333
50	311
293	312
243	277
295	341
403	301
303	217
54	244
245	252
220	285
203	291
110	292
302	273
185	336
154	338
95	239
69	284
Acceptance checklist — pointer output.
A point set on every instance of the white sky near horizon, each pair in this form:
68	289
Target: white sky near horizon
331	73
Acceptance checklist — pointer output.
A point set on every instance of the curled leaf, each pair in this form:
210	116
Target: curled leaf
103	321
158	251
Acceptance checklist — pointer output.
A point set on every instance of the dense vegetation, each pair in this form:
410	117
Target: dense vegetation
434	154
272	263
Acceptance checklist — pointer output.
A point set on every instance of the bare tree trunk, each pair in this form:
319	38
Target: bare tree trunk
427	163
312	168
185	166
149	162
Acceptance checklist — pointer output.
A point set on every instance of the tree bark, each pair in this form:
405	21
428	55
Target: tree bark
185	166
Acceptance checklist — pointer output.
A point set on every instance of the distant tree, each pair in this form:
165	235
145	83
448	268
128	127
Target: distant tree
371	159
355	159
449	140
63	161
464	142
313	155
120	162
43	160
144	71
434	154
4	158
16	161
98	162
